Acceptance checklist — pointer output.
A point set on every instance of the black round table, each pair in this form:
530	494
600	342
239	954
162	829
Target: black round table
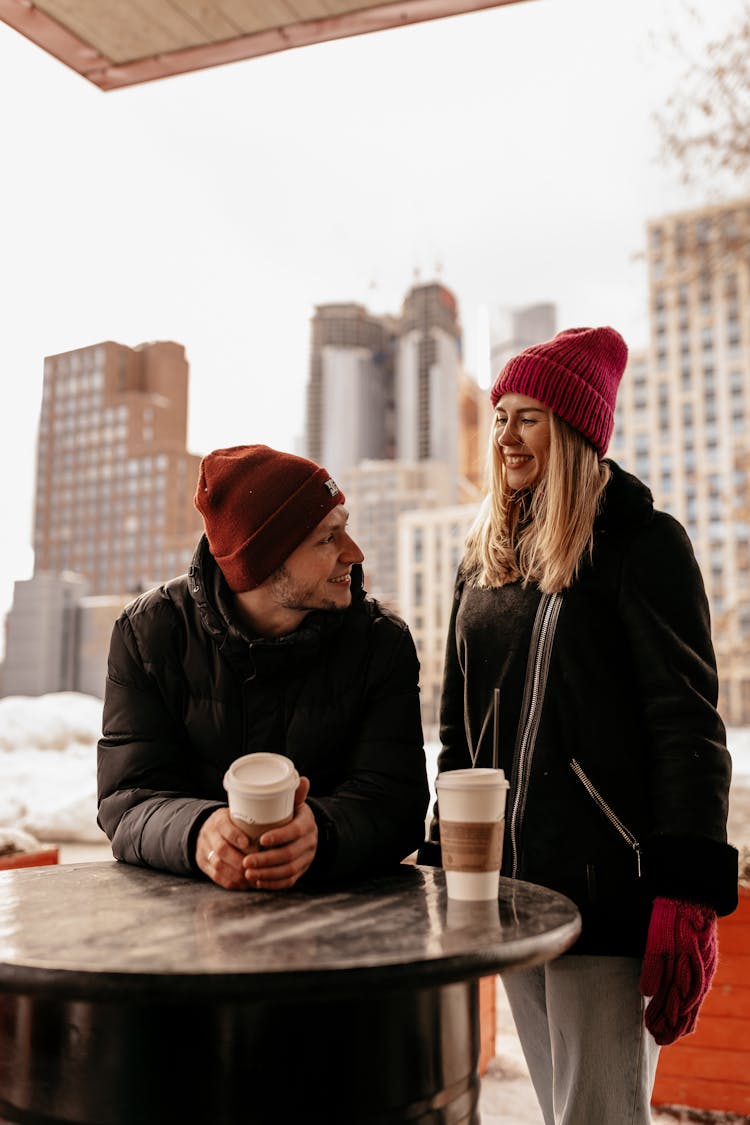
133	997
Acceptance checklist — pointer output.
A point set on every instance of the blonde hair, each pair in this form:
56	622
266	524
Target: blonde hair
545	534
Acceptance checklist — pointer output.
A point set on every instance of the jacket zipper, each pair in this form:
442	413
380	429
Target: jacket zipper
537	671
611	816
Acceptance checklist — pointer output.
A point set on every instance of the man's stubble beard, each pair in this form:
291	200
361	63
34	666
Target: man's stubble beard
295	596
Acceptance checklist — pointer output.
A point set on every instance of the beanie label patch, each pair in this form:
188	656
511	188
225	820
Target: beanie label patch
332	487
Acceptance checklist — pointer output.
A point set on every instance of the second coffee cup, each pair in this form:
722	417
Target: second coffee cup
472	819
261	789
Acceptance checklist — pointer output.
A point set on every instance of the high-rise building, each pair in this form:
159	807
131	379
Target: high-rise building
57	637
683	416
512	330
115	483
474	422
427	376
42	635
430	547
428	435
95	615
376	494
385	388
350	409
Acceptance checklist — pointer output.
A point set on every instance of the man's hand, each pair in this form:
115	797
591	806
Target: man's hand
223	850
220	849
287	851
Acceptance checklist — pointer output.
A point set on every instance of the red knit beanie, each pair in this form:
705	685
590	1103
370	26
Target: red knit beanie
257	506
576	374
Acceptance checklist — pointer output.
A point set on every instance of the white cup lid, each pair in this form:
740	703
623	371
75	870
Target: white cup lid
262	772
480	778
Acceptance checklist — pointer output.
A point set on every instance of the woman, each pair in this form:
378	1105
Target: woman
586	608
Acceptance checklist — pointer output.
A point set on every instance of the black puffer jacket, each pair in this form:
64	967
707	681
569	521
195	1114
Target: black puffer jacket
612	743
187	693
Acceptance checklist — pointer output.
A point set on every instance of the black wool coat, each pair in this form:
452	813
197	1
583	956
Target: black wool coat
187	692
612	743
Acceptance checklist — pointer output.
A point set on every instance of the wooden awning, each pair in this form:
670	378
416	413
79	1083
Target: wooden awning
117	43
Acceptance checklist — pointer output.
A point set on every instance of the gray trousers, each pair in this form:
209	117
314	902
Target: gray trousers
580	1023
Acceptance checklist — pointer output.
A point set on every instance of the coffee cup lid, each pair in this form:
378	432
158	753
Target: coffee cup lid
262	772
479	778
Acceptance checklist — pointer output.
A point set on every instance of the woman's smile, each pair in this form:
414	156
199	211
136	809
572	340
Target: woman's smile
522	433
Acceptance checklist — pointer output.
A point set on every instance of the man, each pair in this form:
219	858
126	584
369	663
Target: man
268	643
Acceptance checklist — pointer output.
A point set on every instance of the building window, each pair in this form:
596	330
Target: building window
710	414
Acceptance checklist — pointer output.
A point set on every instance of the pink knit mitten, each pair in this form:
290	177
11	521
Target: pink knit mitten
678	966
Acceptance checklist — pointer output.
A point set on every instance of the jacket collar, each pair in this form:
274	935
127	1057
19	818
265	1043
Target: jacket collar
627	502
213	599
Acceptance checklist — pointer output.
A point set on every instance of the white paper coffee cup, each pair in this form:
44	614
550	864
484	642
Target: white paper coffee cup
472	821
261	790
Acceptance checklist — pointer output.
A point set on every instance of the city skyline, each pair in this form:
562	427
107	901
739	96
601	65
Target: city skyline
170	212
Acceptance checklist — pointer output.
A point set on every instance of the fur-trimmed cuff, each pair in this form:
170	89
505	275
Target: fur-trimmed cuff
692	868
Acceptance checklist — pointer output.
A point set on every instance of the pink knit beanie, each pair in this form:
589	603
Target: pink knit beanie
258	505
576	374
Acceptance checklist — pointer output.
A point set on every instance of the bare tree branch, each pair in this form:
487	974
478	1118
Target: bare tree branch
705	125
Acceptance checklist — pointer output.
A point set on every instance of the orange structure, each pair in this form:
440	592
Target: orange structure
487	1021
43	857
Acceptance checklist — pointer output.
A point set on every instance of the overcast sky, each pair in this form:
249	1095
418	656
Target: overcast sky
513	150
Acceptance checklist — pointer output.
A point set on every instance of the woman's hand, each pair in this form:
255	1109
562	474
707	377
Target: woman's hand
678	967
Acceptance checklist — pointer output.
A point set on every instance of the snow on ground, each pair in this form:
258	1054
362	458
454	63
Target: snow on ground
48	765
